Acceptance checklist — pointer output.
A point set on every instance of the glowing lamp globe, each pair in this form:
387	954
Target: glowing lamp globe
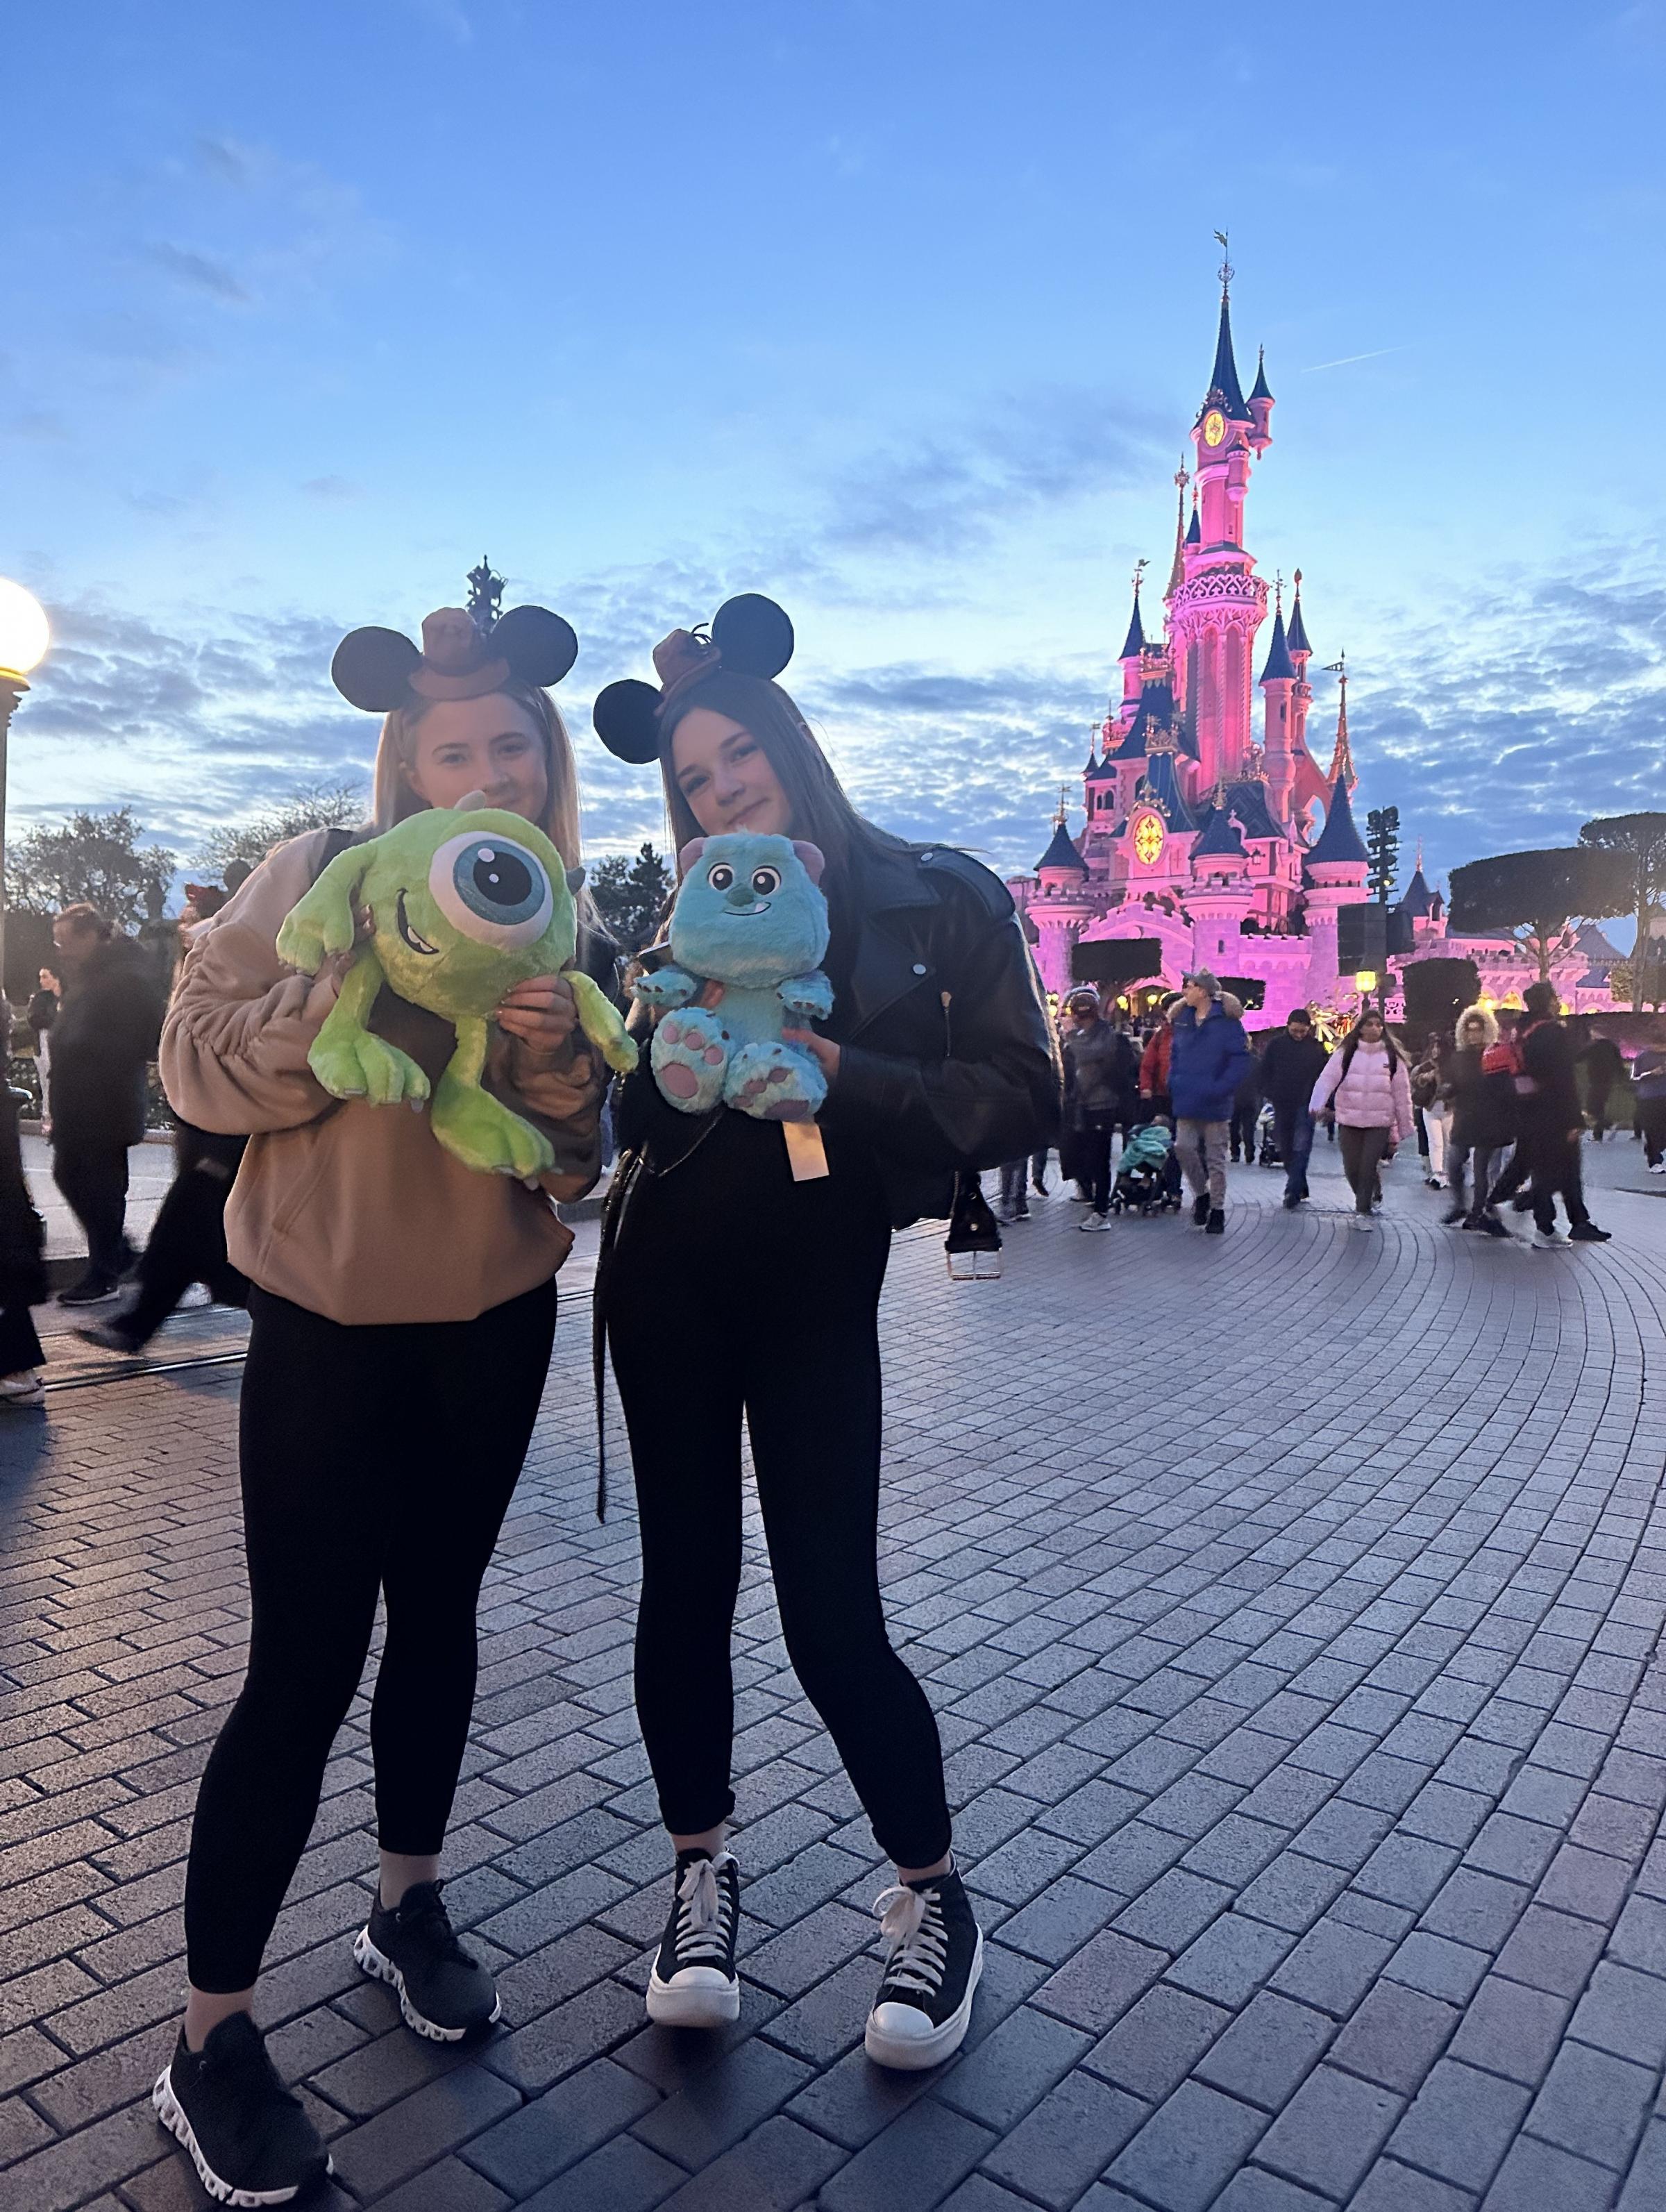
24	635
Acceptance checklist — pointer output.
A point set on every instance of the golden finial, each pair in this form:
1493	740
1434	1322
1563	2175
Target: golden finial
1063	814
1139	568
1278	591
1227	271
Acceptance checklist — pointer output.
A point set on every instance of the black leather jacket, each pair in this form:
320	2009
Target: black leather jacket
948	1062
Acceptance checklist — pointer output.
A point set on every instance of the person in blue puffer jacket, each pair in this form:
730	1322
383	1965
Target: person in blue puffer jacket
1208	1057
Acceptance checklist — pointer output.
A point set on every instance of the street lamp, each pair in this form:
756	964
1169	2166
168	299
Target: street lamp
24	638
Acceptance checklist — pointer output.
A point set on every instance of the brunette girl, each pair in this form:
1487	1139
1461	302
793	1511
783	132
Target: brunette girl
402	1309
1366	1088
757	1287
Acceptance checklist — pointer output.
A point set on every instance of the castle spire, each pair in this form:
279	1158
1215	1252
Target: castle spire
1261	389
1136	637
1296	634
1224	377
1341	761
1279	668
1178	570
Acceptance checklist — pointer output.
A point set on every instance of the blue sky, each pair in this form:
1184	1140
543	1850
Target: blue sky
899	312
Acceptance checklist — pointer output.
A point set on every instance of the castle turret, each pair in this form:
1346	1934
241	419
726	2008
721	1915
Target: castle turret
1278	684
1262	403
1341	758
1221	893
1060	908
1133	645
1215	614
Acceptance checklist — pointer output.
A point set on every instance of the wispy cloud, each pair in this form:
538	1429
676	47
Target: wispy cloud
202	271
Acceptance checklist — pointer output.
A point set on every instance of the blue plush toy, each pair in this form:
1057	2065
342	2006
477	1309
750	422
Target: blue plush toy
751	916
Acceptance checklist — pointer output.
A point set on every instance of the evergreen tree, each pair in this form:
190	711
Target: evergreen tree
630	895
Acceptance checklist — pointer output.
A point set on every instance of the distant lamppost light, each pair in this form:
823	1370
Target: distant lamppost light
24	637
24	632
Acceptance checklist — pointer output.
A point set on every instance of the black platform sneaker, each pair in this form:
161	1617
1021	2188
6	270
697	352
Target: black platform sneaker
920	2016
444	1993
249	2138
694	1983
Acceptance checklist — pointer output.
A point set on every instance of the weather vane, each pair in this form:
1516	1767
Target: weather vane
1227	271
1064	804
1139	568
1278	589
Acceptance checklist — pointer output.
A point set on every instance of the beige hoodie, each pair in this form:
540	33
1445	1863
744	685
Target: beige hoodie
351	1210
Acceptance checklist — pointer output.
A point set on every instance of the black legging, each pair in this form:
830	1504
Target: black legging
779	1324
379	1459
186	1245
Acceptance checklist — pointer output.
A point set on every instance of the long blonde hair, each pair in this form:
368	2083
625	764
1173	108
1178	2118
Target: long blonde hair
396	752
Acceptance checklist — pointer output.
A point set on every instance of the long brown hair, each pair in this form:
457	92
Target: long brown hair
821	811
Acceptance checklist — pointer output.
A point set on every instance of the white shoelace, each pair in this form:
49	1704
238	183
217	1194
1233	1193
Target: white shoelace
911	1922
702	1918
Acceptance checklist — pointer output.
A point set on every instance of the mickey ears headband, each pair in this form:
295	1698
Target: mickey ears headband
380	669
749	635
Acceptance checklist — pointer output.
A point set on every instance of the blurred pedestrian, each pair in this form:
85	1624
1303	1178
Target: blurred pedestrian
1603	1066
1649	1089
1429	1109
1292	1060
1552	1123
186	1244
1208	1053
23	1269
1481	1104
1246	1109
1101	1075
1155	1101
104	1037
42	1009
1367	1087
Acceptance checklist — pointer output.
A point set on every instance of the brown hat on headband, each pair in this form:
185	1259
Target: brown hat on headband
379	669
748	636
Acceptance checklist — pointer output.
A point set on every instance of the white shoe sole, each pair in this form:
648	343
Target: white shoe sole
913	2054
697	2004
171	2114
381	1968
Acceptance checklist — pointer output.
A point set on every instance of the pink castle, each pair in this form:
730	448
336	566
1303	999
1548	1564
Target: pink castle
1211	847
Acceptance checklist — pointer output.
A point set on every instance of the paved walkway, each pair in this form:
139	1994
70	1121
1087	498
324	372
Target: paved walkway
1291	1604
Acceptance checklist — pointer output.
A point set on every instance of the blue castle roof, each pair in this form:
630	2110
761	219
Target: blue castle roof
1296	635
1156	710
1195	529
1418	899
1161	786
1224	377
1339	840
1279	666
1220	839
1062	853
1136	636
1261	389
1247	803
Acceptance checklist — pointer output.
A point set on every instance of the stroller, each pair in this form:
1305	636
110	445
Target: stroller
1148	1174
1268	1153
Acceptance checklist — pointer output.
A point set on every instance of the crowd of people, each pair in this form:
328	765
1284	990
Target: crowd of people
1497	1119
403	1307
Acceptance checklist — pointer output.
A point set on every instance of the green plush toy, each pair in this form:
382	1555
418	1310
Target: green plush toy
463	903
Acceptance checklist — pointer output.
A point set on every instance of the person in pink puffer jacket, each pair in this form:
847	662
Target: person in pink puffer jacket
1366	1086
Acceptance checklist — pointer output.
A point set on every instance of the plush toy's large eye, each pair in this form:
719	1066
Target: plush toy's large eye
766	881
721	877
492	890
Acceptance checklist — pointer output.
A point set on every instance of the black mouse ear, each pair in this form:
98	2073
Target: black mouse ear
627	721
753	634
373	669
538	645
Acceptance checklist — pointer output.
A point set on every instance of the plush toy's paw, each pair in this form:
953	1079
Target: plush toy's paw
600	1020
353	1064
690	1058
775	1083
483	1134
666	987
808	996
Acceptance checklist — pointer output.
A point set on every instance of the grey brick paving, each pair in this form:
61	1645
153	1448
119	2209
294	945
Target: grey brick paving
1291	1604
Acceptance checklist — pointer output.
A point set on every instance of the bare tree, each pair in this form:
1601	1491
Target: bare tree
314	806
